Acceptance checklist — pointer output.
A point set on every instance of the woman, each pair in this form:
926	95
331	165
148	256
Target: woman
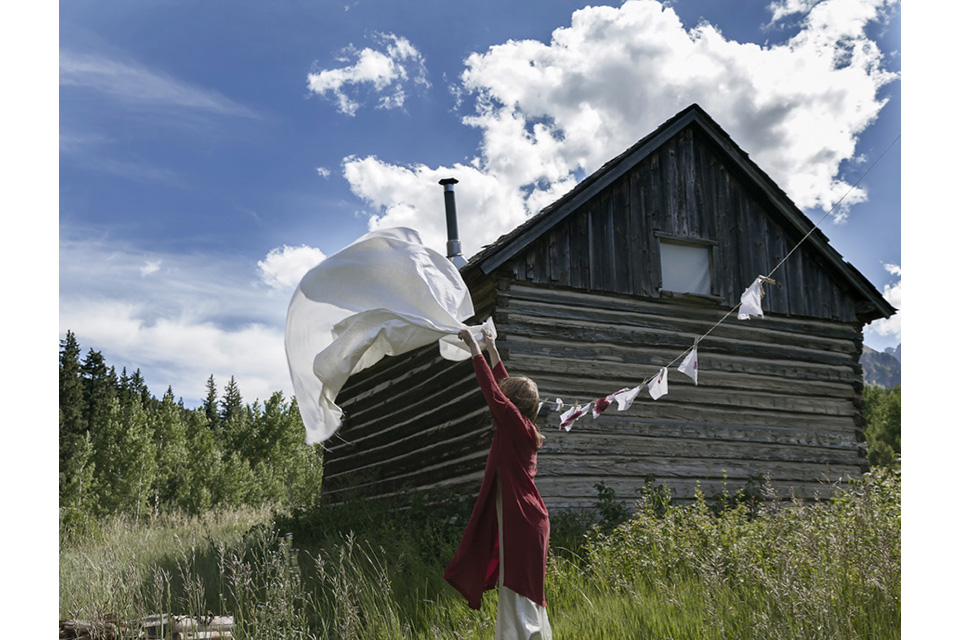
505	542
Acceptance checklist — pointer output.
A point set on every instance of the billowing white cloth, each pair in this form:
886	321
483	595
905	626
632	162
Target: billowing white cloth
750	301
385	294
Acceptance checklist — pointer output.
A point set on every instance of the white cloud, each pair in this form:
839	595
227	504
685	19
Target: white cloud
323	172
888	327
550	111
285	266
136	85
199	315
387	72
150	266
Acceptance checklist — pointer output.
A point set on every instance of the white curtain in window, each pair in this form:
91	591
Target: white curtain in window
685	268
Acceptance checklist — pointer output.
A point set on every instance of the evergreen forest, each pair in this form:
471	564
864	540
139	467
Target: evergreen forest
123	451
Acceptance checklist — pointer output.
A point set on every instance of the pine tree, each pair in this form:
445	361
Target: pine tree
99	388
72	425
232	402
210	404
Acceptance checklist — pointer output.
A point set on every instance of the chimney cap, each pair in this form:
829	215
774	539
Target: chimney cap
447	181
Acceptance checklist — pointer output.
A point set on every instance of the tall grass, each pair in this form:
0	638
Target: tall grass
706	570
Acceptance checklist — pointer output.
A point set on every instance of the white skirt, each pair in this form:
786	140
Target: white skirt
518	617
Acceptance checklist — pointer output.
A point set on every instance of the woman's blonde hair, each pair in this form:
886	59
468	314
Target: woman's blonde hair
524	393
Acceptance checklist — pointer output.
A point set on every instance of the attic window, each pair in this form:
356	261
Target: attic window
686	266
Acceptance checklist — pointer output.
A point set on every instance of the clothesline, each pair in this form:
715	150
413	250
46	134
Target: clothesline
568	418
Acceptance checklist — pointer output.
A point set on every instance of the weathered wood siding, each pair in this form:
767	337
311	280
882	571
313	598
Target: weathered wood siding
778	396
580	310
684	190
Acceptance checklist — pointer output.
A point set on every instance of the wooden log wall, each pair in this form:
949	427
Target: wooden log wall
777	396
580	310
685	190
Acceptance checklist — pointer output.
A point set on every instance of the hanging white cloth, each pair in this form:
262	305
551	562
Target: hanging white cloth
750	301
690	365
383	295
625	397
658	386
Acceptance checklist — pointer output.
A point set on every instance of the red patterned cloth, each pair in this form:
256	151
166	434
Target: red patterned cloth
476	564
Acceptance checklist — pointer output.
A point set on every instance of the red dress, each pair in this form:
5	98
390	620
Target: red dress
526	525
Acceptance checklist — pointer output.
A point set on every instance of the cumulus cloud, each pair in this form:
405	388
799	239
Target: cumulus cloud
199	315
323	172
548	112
285	266
385	72
888	327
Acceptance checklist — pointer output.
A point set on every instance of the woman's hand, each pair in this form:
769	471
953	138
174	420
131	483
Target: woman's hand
470	341
491	341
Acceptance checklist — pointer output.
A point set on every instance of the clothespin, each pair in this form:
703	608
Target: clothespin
765	279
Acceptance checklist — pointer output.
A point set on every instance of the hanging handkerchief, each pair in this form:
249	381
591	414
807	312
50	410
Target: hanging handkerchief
750	301
571	415
658	386
689	365
625	397
601	405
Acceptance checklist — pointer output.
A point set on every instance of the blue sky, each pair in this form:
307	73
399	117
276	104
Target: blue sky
210	153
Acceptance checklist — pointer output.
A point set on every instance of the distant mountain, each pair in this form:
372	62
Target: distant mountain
881	367
894	352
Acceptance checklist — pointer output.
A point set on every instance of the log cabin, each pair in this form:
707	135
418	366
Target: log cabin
602	288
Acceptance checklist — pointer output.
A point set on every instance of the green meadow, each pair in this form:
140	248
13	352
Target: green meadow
743	565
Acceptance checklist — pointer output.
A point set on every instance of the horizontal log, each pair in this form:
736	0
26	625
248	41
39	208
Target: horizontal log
427	476
619	425
715	370
602	444
395	460
689	321
399	417
519	293
584	331
566	465
565	492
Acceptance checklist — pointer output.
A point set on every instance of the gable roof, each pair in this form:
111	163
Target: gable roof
512	243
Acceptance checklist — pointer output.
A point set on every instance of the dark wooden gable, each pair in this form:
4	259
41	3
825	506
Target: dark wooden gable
687	181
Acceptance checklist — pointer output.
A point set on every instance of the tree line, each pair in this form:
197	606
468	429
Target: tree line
123	451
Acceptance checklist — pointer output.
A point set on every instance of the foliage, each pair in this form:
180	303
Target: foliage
122	451
881	412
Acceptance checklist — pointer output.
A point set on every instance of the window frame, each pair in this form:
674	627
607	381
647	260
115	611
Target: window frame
688	241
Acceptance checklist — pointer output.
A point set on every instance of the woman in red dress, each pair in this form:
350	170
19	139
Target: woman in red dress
505	542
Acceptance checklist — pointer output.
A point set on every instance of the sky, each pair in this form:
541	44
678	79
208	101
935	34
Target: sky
211	153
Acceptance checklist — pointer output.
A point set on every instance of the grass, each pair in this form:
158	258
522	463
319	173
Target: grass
769	569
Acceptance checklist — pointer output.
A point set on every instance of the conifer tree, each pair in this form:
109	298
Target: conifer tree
72	425
232	401
210	405
99	387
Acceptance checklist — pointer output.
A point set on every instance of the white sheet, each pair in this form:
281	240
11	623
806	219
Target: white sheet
385	294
